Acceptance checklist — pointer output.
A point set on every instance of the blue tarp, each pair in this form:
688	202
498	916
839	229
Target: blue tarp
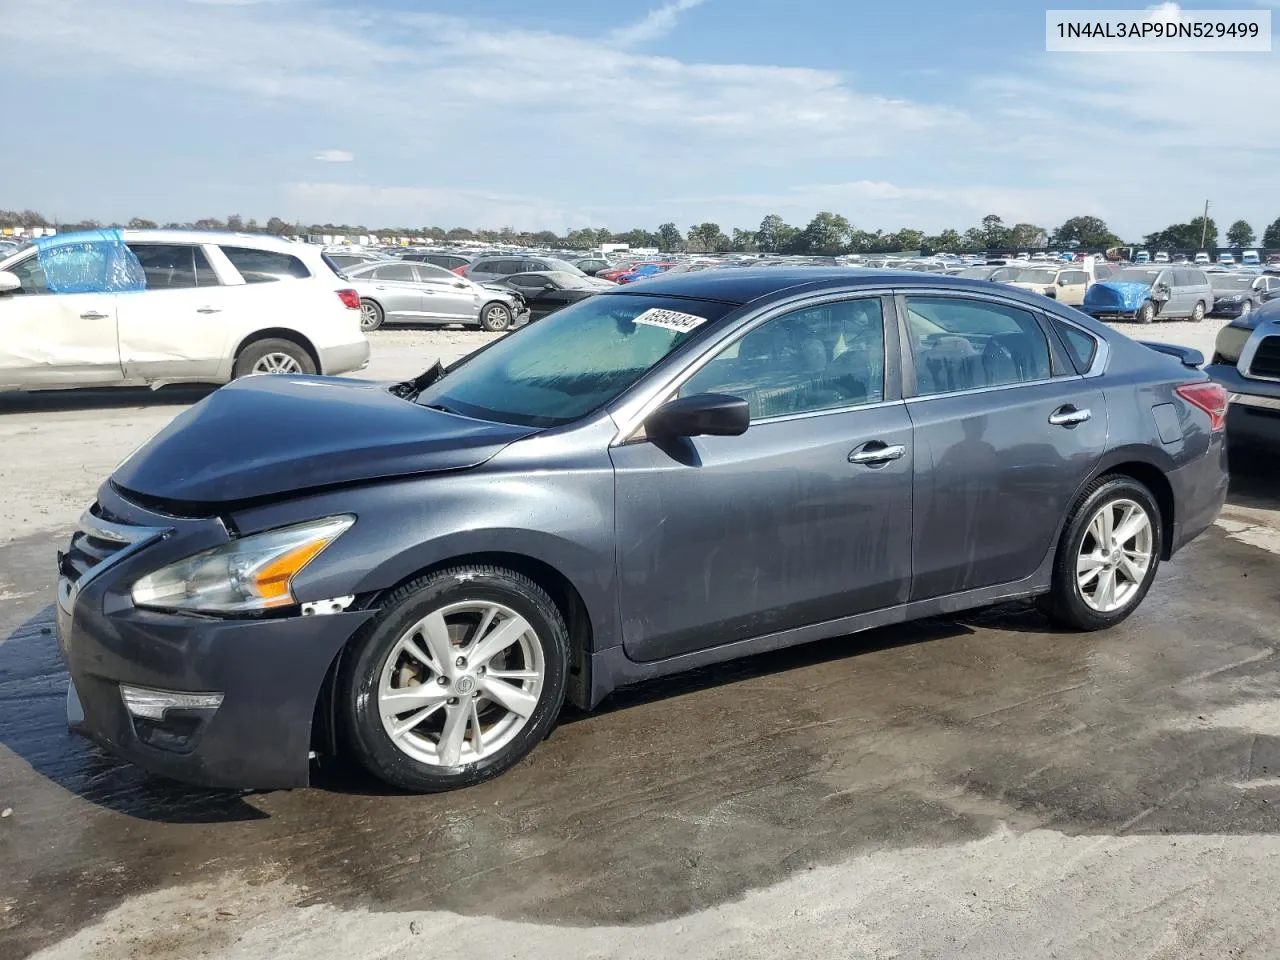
92	261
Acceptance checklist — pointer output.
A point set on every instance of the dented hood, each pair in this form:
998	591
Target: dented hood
267	436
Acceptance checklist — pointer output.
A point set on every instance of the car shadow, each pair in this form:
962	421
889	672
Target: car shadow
48	401
1253	479
33	688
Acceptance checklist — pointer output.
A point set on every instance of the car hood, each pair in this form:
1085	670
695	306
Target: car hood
264	436
1128	294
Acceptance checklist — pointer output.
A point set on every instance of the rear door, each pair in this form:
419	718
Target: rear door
177	328
397	289
1006	430
56	339
804	518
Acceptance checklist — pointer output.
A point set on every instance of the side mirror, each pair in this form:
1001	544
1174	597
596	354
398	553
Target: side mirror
9	281
1062	281
704	414
548	286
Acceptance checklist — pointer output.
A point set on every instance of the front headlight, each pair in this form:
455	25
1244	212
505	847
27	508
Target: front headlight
1236	299
244	576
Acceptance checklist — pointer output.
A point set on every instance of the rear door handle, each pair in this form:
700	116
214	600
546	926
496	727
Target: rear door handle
93	315
208	309
1069	416
876	452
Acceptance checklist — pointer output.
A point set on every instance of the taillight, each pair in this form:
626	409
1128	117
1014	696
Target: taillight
350	299
1209	397
458	270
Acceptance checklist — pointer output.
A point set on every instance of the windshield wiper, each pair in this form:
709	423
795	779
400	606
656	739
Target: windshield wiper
442	408
409	389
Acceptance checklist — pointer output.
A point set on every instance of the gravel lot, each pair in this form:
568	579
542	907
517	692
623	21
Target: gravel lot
976	786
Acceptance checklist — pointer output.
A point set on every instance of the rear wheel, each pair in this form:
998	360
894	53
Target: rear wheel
1146	313
461	676
272	356
371	316
495	317
1107	557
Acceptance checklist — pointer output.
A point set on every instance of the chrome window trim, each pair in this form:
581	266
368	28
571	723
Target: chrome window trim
630	416
993	388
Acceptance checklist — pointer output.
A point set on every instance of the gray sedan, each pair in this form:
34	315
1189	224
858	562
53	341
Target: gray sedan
650	480
396	291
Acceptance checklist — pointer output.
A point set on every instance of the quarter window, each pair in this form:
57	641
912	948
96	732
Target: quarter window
961	344
1079	344
817	358
264	266
173	266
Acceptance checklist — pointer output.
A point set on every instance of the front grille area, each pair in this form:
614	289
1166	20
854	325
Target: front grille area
1266	362
101	536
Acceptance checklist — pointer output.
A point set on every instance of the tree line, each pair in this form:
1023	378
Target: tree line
827	234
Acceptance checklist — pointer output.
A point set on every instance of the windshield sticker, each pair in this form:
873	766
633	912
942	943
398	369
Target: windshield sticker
670	319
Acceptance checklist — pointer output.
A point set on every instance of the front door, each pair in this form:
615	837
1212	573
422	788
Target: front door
804	518
1071	287
446	296
178	327
1004	437
56	339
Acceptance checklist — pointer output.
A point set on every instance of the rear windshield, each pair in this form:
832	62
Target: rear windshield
573	361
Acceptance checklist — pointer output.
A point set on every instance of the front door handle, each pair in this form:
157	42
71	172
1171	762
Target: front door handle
93	315
1069	416
208	309
875	453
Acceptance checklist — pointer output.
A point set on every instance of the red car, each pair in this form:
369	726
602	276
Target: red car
615	272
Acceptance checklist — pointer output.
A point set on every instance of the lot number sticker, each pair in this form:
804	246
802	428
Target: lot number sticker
670	319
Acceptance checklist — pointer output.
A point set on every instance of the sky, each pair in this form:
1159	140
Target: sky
558	114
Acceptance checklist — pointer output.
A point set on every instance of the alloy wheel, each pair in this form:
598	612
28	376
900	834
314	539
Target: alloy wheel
461	683
1115	555
368	316
277	363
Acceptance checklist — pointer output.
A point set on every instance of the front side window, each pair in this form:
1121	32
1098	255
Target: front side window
817	358
574	361
961	344
30	276
429	271
530	281
173	266
265	266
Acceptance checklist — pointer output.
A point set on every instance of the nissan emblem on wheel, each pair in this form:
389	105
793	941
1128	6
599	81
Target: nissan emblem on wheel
656	477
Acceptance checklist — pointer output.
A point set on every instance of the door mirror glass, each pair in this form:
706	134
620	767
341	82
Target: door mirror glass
9	281
703	414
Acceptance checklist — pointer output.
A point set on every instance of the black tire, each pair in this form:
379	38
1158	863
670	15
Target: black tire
1197	314
495	317
1064	604
1146	313
363	665
371	315
257	351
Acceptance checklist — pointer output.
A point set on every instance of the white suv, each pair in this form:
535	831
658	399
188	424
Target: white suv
215	306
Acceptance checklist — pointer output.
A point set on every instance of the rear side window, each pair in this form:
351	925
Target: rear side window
1081	347
174	266
962	344
264	266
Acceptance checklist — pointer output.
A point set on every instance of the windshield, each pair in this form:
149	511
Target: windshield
975	273
1223	282
1135	276
573	361
1037	276
1005	273
563	266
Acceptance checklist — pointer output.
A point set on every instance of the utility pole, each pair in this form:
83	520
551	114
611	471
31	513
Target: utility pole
1204	224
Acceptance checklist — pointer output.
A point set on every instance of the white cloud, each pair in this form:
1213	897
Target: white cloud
533	117
655	25
335	156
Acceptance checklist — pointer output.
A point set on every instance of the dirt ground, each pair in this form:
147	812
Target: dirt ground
974	786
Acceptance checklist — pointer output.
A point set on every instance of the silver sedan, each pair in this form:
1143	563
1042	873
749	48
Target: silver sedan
400	292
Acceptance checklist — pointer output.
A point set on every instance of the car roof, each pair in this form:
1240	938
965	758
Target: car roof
748	284
264	241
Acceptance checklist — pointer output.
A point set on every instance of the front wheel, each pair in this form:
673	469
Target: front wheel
495	317
1198	313
1146	313
461	676
1107	557
1246	308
